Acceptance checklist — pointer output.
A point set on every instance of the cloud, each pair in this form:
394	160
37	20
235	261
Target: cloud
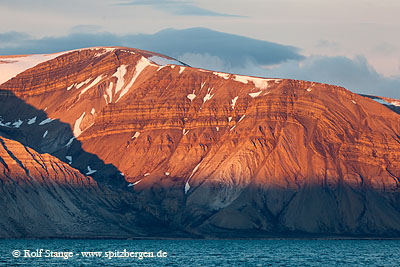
204	48
8	38
355	74
176	7
204	61
232	50
31	45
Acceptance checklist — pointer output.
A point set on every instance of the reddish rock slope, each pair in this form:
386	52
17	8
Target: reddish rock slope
214	153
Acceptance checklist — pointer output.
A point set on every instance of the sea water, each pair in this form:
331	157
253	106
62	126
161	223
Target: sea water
285	252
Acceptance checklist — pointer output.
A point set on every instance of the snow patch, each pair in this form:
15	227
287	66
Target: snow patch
93	111
70	141
70	87
203	70
48	120
141	65
384	102
261	83
105	50
120	73
135	183
109	92
232	128
17	124
90	171
191	96
217	128
253	95
309	89
5	124
13	65
242	79
136	135
181	70
79	85
229	119
131	52
241	118
45	133
194	170
96	81
69	158
395	103
185	132
234	102
146	174
223	75
208	96
32	121
354	102
187	187
77	128
167	173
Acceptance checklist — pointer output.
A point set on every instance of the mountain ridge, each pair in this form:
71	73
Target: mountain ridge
205	152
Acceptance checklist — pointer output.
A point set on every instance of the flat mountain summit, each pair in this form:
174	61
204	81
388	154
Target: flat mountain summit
121	142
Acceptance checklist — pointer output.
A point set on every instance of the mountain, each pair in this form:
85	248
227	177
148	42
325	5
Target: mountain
42	196
156	144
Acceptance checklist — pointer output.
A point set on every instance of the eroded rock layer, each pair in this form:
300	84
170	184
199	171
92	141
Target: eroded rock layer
213	153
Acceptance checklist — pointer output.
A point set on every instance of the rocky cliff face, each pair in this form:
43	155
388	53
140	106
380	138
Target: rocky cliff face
211	153
42	196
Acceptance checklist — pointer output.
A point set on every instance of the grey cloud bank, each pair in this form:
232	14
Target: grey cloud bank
233	50
204	48
354	74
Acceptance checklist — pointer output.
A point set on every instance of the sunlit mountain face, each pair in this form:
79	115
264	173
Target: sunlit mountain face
121	142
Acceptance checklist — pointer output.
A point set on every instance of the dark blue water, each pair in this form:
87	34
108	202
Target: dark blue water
200	252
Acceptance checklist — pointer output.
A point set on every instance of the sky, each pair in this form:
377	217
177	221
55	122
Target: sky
355	44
